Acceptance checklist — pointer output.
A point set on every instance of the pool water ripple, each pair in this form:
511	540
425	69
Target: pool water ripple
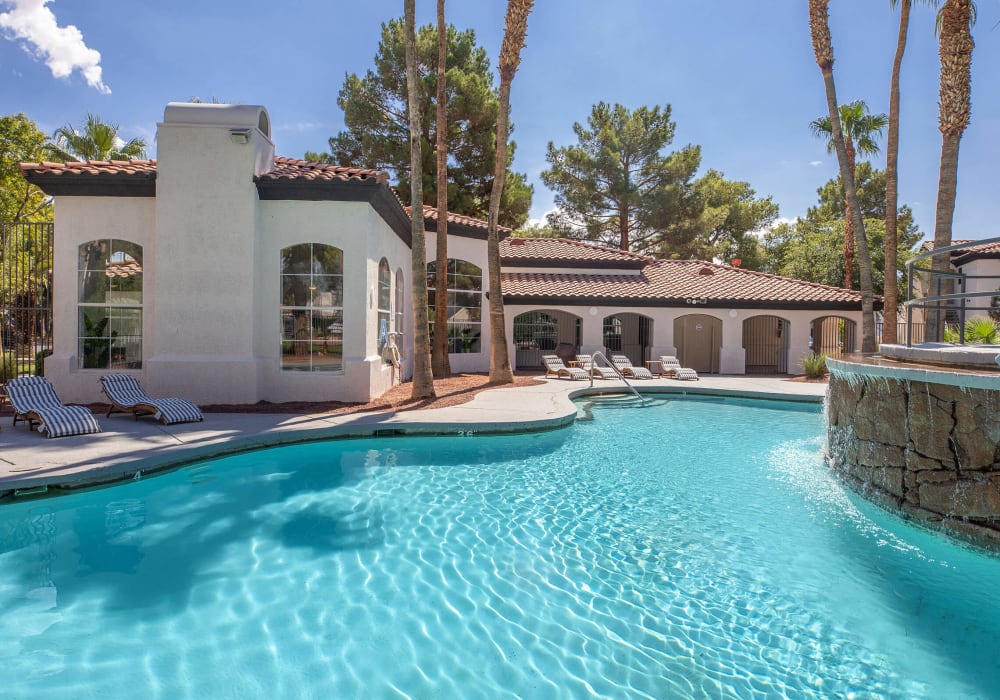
691	549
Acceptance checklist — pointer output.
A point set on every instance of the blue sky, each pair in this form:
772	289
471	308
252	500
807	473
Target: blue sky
739	75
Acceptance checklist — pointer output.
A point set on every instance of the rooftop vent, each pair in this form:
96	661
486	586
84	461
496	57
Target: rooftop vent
517	241
706	271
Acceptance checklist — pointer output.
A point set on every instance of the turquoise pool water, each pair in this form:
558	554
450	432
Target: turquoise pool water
698	548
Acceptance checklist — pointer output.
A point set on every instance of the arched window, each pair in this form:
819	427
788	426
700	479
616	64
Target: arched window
109	283
399	304
465	305
312	308
384	307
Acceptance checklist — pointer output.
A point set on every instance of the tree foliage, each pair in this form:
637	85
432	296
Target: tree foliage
21	142
98	140
377	130
812	248
724	215
618	186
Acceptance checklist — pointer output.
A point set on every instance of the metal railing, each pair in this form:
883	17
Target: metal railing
617	371
950	304
25	297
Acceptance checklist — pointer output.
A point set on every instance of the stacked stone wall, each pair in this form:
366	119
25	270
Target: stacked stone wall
932	451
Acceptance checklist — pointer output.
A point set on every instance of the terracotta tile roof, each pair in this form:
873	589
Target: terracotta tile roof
563	252
929	245
673	282
117	168
431	214
294	169
978	252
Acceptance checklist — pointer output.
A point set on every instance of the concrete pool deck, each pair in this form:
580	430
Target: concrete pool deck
29	461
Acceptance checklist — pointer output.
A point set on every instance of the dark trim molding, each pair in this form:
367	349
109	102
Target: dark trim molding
973	256
539	300
464	230
89	185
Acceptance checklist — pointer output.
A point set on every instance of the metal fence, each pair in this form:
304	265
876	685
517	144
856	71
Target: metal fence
948	299
25	297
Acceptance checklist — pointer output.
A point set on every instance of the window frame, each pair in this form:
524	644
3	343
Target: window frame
319	278
465	278
131	256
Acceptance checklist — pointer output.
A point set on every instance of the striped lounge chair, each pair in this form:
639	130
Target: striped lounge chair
587	362
35	402
626	367
554	366
126	395
671	367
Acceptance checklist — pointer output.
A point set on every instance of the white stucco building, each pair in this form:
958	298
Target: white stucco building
225	274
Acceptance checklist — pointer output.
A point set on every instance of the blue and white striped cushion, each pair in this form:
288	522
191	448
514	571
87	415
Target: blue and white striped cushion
125	390
175	410
36	395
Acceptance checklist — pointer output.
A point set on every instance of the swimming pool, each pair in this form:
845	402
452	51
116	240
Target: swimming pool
697	548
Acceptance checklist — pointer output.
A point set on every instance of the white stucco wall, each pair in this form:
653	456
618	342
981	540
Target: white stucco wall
981	268
365	238
77	221
203	263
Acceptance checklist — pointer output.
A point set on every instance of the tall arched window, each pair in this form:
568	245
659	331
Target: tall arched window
465	305
399	304
312	308
384	307
109	284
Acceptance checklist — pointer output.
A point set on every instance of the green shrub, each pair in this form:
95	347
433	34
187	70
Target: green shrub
40	362
8	366
980	329
814	366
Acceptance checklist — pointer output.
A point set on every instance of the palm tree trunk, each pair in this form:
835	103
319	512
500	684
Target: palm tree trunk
515	29
955	51
890	311
848	222
439	361
423	381
819	26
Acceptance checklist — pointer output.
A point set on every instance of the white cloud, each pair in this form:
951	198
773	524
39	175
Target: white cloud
304	126
61	48
815	163
761	232
543	219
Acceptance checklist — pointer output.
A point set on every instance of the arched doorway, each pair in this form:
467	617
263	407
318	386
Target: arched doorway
628	334
698	338
537	333
832	335
765	341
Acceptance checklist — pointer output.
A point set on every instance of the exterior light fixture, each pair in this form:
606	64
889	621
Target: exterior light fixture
241	136
695	301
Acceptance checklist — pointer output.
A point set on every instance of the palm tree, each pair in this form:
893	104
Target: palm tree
890	299
955	47
819	26
423	380
97	141
439	361
515	29
861	129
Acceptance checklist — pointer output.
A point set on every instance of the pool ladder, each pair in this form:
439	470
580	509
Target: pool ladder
621	376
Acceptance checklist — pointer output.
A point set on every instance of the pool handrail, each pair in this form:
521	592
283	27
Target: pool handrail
598	353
